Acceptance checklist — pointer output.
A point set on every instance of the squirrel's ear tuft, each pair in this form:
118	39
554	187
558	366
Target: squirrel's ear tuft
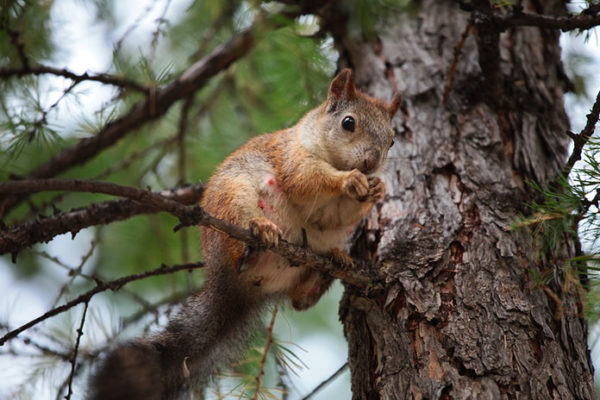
394	105
341	88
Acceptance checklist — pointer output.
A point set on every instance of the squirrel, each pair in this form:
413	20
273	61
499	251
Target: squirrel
309	184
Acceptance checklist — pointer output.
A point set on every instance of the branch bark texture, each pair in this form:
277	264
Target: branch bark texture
187	215
43	229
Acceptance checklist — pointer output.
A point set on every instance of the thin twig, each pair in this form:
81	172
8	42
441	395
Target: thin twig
133	26
326	381
90	186
263	359
283	379
156	34
75	272
136	155
44	349
176	298
452	69
580	139
75	350
76	78
113	285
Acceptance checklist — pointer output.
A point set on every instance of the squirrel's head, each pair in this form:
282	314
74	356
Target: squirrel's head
356	128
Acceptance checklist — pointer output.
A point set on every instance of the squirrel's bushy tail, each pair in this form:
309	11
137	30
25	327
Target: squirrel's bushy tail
210	330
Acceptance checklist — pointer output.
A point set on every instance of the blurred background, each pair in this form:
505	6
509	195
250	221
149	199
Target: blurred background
150	42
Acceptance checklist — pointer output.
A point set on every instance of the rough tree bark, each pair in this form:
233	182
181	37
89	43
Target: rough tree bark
461	317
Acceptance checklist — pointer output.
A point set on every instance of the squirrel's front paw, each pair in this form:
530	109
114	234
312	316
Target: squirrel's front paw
376	189
265	230
342	257
356	185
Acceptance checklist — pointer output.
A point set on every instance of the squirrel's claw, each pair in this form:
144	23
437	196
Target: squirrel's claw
376	189
342	257
356	185
265	230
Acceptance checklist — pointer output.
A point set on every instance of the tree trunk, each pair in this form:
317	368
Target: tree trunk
461	317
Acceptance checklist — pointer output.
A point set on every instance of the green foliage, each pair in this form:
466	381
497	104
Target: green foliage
569	210
554	218
16	17
285	74
503	3
364	15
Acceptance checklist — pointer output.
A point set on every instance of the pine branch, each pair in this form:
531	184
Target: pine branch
157	104
39	69
580	139
45	350
192	215
160	21
113	285
17	237
73	360
263	359
120	166
18	43
73	273
587	19
326	381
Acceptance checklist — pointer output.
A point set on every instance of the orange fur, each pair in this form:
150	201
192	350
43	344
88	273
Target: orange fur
314	176
315	180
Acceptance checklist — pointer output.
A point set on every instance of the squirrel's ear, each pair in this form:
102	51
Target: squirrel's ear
394	105
341	88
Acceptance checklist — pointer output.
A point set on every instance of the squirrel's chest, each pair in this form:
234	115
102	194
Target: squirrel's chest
327	221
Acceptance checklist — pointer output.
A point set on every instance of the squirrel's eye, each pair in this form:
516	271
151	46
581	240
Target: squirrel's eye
348	124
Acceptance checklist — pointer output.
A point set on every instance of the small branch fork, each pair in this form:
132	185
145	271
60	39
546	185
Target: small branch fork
75	350
76	78
101	286
188	216
581	138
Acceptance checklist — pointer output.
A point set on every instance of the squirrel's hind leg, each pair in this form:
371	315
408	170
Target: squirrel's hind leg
309	290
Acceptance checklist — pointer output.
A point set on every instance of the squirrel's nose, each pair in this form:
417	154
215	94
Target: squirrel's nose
371	160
